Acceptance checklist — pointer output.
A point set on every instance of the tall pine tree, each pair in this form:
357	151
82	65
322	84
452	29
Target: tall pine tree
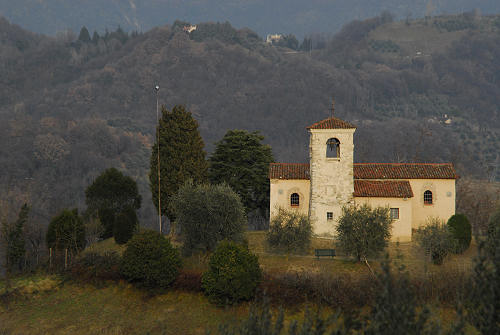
181	156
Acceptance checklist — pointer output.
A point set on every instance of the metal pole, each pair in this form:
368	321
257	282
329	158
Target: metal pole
157	88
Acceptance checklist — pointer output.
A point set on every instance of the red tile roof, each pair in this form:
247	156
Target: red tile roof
332	123
371	171
404	171
384	189
288	171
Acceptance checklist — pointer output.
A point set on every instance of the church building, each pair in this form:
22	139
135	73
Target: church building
413	191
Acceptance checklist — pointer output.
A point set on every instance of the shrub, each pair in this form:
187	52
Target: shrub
233	275
289	230
363	231
66	231
435	240
125	225
207	214
461	231
94	267
109	194
150	260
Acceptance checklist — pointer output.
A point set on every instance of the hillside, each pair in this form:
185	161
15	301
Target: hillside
70	108
263	16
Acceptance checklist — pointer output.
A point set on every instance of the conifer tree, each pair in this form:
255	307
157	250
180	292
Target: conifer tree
13	239
84	35
181	156
242	161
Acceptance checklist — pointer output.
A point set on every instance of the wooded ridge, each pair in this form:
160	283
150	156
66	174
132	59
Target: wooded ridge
418	91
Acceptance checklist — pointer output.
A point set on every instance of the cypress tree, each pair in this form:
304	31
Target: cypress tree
84	35
13	237
181	156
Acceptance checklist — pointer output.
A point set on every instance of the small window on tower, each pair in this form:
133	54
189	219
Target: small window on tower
329	216
395	213
333	148
294	200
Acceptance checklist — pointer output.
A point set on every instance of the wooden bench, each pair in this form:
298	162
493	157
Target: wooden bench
324	252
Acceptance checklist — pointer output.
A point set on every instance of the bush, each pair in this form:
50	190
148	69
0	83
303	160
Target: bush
461	230
125	225
207	214
289	230
436	240
363	231
111	193
66	231
94	267
233	275
150	260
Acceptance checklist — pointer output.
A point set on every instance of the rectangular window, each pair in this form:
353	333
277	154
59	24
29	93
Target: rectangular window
329	216
395	213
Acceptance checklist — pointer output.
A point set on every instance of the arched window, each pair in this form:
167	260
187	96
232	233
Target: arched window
294	200
333	148
428	197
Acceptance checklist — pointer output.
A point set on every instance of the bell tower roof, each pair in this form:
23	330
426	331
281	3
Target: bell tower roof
332	123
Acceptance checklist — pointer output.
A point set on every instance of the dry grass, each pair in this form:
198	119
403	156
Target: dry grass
116	309
49	306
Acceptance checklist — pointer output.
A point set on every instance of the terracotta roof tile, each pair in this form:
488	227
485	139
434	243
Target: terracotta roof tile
404	171
332	123
371	171
288	171
384	189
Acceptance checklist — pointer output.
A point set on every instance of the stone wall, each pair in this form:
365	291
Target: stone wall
332	184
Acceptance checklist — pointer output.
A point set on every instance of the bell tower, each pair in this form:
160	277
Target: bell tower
331	155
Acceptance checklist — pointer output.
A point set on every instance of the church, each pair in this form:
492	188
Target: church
331	180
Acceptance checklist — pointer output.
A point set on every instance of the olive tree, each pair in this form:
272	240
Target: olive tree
436	240
364	231
207	214
289	231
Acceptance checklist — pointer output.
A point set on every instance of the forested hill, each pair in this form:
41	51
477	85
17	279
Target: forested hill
299	17
419	91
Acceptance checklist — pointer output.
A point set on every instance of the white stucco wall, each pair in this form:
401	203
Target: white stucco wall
443	200
282	189
401	228
332	184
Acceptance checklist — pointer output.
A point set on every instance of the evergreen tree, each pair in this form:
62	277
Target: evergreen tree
181	156
95	37
13	237
84	35
126	223
111	193
242	161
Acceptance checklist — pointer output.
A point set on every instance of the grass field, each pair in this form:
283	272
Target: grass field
47	304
